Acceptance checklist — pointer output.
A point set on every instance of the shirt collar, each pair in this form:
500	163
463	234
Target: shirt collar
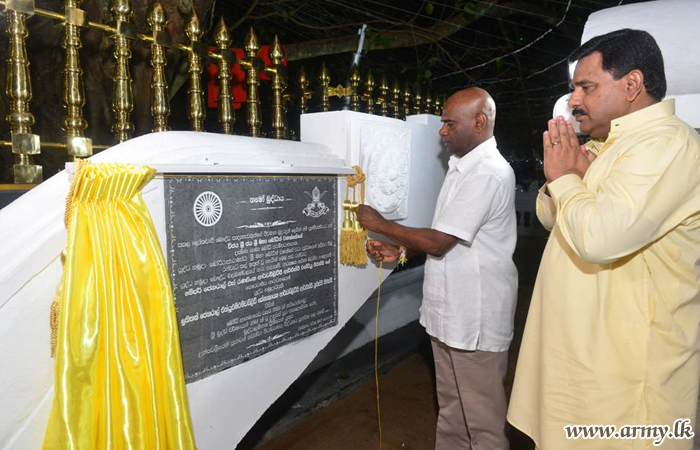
642	117
472	158
631	121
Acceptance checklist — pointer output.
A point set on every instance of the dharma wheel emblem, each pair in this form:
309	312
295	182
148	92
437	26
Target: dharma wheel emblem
207	208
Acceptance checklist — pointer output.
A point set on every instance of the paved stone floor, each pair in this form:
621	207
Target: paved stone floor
348	419
408	411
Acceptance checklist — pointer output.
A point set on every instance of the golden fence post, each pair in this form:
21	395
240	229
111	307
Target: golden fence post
78	145
18	88
428	102
384	96
252	66
325	81
277	73
195	95
369	92
395	95
407	100
304	93
227	116
160	100
122	93
417	102
355	81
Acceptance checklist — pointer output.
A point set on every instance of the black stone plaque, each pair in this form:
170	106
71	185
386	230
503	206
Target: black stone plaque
253	264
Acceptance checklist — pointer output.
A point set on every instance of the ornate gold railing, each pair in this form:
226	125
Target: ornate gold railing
26	146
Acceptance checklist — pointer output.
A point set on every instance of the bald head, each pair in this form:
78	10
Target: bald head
468	119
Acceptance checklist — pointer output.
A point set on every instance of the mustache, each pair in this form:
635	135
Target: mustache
578	112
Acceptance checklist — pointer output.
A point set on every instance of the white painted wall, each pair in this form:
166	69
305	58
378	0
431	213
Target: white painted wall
226	405
674	25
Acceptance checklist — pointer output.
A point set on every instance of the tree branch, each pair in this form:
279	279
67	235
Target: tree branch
384	40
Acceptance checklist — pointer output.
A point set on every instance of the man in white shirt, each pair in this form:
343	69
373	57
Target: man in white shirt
470	285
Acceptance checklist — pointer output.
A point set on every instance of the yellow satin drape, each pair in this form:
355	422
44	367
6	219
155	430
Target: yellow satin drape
119	380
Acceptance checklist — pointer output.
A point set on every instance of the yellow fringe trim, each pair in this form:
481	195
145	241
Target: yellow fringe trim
352	247
55	310
54	314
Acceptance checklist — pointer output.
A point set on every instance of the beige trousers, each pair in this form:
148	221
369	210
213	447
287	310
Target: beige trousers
471	398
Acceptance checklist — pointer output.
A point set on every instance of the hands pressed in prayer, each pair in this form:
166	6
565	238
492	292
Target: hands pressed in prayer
562	153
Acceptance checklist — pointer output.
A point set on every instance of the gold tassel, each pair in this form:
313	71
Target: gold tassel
359	242
345	232
352	235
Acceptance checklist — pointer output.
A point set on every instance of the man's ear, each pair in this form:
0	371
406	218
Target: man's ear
479	123
634	85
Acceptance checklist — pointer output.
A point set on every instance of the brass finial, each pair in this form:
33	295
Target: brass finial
223	42
122	92
304	93
369	92
428	102
193	29
195	95
277	73
438	106
156	15
384	95
325	81
251	42
18	87
407	100
121	9
395	95
73	88
160	100
252	65
417	102
221	34
355	81
276	52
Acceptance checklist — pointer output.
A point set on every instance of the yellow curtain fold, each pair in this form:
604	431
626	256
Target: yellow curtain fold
119	380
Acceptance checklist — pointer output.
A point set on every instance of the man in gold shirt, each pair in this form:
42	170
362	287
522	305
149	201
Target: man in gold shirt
612	332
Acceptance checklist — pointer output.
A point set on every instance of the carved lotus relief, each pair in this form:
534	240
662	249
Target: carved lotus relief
386	154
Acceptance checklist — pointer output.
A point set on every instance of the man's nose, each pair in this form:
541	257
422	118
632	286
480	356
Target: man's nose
574	99
443	131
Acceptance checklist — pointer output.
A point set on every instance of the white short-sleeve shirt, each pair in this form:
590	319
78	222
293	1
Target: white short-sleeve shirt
469	293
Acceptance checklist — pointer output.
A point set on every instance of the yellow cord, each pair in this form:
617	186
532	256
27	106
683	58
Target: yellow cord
376	359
